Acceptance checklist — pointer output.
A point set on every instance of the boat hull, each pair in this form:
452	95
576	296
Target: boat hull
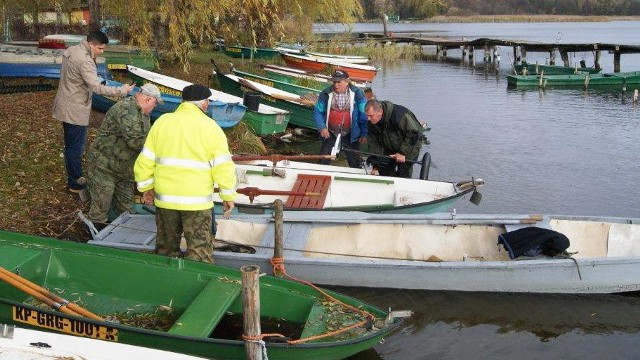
630	80
300	115
226	115
62	266
537	69
356	72
245	52
460	255
266	121
277	84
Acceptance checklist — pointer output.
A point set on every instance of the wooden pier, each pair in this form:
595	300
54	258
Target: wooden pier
520	47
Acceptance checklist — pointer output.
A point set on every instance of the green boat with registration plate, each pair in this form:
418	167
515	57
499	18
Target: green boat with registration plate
246	52
175	304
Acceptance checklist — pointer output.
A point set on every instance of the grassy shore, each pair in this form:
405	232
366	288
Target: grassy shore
32	175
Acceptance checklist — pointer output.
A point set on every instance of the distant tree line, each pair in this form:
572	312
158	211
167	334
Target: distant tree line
423	9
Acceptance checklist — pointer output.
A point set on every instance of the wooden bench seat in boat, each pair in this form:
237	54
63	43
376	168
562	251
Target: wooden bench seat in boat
309	183
207	309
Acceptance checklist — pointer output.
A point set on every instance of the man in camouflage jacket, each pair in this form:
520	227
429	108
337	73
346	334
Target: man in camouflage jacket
114	151
394	132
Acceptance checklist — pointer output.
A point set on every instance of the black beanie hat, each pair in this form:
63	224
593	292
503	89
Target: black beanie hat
195	92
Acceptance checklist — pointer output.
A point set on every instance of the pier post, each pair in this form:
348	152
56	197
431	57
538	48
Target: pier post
385	20
464	51
596	62
278	215
251	311
552	57
523	54
616	60
471	51
565	58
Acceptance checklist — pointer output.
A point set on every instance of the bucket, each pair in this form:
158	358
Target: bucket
251	100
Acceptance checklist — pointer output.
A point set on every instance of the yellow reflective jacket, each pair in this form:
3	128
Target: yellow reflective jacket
183	155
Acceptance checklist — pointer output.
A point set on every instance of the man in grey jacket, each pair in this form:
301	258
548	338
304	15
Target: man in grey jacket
72	105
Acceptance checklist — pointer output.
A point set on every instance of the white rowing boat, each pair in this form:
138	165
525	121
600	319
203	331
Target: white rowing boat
430	252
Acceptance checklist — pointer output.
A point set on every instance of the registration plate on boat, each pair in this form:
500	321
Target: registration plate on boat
59	323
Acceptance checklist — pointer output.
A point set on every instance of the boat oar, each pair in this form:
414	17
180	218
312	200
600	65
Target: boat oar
252	192
45	295
379	155
298	100
276	157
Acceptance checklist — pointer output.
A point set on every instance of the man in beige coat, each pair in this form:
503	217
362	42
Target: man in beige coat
72	105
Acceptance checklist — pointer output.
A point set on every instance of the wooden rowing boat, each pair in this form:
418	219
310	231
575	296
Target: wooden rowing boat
356	72
337	190
351	59
226	115
174	304
247	52
585	80
277	84
301	110
19	343
263	121
538	69
447	251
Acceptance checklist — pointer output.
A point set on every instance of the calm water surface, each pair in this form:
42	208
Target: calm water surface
553	151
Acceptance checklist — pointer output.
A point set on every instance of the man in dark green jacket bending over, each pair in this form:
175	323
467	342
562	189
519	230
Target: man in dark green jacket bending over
395	132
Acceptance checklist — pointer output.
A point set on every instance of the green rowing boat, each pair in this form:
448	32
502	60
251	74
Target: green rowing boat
246	52
274	83
537	69
301	110
629	80
173	304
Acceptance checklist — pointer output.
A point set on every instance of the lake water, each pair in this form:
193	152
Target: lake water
553	151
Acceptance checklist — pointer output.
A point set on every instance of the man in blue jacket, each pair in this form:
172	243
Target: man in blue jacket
340	110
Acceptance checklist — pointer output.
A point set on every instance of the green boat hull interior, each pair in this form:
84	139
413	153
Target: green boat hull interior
173	304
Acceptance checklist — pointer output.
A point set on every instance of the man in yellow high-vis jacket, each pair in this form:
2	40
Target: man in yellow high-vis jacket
184	154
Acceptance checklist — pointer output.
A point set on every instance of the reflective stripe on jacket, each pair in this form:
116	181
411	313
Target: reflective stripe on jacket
184	155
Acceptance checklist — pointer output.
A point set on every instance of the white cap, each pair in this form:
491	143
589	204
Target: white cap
153	91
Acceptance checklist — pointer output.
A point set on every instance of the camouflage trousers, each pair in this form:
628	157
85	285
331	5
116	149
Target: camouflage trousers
108	190
196	227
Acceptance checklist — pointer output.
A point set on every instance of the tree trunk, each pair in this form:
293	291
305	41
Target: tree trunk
95	14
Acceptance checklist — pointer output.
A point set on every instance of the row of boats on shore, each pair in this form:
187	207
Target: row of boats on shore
300	223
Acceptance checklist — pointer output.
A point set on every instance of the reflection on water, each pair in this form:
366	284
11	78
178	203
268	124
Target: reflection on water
562	151
497	322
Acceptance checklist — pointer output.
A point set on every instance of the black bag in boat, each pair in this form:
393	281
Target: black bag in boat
533	241
380	161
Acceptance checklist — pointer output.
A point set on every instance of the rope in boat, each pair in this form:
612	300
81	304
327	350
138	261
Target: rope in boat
279	270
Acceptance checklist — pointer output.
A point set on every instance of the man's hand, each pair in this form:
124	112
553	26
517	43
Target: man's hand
324	133
148	196
128	87
363	140
399	157
227	207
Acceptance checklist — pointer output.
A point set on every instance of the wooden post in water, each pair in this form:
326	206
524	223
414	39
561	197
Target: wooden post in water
385	20
552	57
565	58
278	215
616	60
596	63
251	311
